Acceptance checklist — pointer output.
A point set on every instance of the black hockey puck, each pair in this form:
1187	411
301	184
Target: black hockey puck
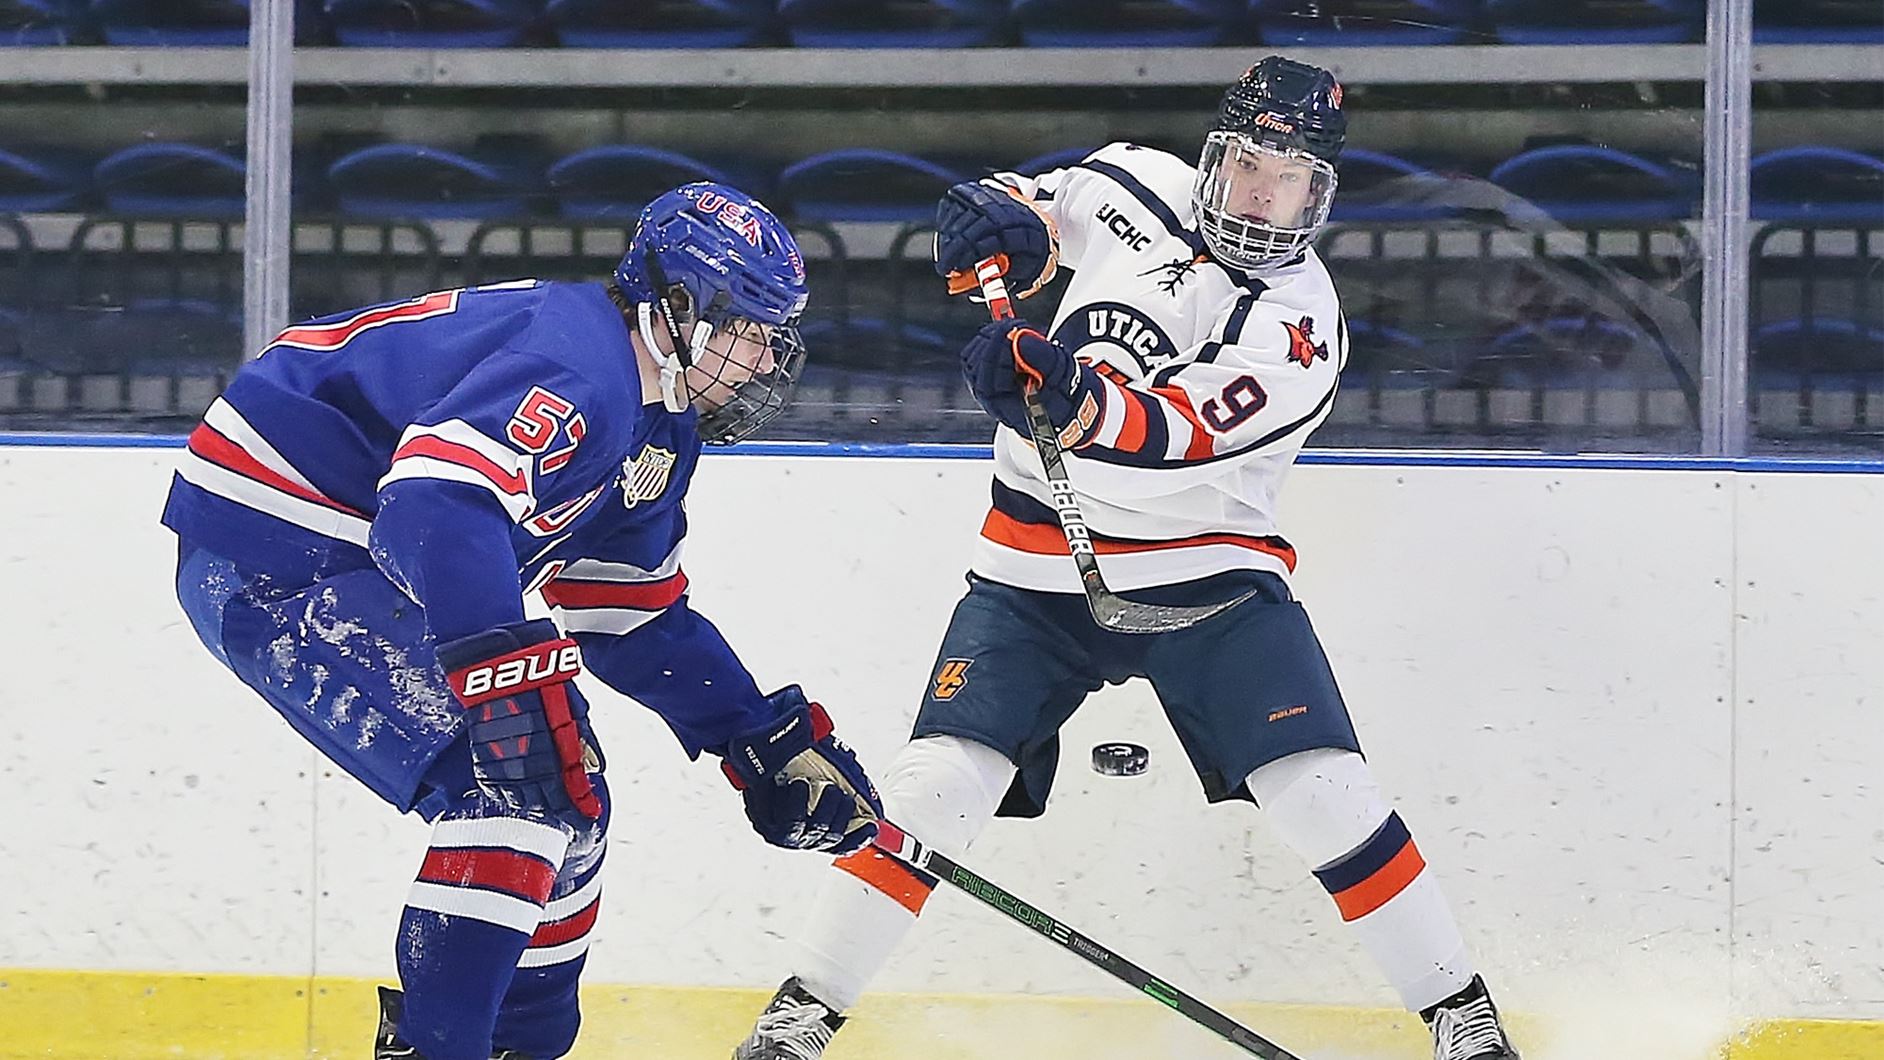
1120	759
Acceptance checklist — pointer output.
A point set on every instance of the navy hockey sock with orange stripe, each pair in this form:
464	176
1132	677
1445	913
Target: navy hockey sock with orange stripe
1375	873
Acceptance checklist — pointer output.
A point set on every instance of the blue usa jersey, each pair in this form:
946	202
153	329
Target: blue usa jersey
475	445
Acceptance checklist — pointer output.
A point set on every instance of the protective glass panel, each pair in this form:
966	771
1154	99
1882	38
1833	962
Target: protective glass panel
120	225
1515	243
1816	314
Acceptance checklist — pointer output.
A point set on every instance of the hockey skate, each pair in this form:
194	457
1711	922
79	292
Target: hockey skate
389	1046
795	1026
1466	1026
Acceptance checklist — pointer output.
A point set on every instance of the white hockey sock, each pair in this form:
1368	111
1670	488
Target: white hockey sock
1327	807
944	790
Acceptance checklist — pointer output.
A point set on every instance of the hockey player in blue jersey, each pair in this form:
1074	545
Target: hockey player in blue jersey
361	514
1198	344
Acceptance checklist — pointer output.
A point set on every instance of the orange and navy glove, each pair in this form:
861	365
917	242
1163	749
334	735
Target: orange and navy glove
531	746
977	220
1006	356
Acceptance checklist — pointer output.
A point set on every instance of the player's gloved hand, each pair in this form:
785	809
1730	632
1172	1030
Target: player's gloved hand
975	221
804	789
1006	355
531	746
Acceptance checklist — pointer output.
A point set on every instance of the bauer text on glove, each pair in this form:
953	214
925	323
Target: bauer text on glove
531	746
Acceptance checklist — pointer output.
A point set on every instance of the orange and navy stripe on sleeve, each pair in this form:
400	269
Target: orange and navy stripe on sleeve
1147	428
1380	869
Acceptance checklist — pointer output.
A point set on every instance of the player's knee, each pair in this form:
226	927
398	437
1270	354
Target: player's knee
944	789
1323	803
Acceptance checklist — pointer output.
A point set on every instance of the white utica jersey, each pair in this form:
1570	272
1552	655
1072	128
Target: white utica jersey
1213	379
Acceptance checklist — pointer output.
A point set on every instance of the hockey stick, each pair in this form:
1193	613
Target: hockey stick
906	849
1109	609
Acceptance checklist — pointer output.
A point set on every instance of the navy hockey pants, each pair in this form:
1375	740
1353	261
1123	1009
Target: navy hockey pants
1241	689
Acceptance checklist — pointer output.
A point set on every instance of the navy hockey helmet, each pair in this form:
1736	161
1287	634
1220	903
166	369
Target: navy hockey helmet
1266	179
714	266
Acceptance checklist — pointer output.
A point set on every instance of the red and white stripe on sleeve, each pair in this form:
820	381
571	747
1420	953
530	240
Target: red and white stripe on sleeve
455	451
596	596
228	457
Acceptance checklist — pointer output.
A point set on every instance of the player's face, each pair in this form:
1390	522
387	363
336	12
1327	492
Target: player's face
1270	188
734	354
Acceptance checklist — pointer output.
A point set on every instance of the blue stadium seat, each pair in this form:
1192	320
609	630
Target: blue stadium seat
36	22
1820	345
659	23
173	179
178	334
869	339
1574	351
1052	160
1375	186
1361	23
42	179
1818	184
1126	23
496	178
614	181
1584	182
432	24
10	359
892	23
188	23
864	184
1818	21
1378	347
1596	21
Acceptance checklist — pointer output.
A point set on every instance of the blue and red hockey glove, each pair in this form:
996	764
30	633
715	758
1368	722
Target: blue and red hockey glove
531	746
975	221
803	788
1007	354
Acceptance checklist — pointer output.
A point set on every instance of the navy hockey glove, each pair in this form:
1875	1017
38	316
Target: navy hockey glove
804	789
975	221
531	746
1006	355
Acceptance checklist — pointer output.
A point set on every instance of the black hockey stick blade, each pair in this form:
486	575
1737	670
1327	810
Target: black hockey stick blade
907	849
1109	609
1129	616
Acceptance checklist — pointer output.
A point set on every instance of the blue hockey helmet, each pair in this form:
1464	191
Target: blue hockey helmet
708	261
1266	179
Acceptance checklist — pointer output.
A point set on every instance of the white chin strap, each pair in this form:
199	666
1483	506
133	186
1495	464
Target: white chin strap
672	366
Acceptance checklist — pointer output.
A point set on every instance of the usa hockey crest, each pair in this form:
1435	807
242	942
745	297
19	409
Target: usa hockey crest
644	475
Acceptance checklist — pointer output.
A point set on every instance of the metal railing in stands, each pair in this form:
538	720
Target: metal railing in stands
1817	293
886	338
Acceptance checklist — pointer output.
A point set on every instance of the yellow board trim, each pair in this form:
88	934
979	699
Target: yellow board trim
62	1015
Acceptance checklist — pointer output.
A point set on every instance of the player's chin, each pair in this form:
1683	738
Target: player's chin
713	398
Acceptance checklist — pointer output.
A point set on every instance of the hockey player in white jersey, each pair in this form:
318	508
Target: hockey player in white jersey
1198	344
